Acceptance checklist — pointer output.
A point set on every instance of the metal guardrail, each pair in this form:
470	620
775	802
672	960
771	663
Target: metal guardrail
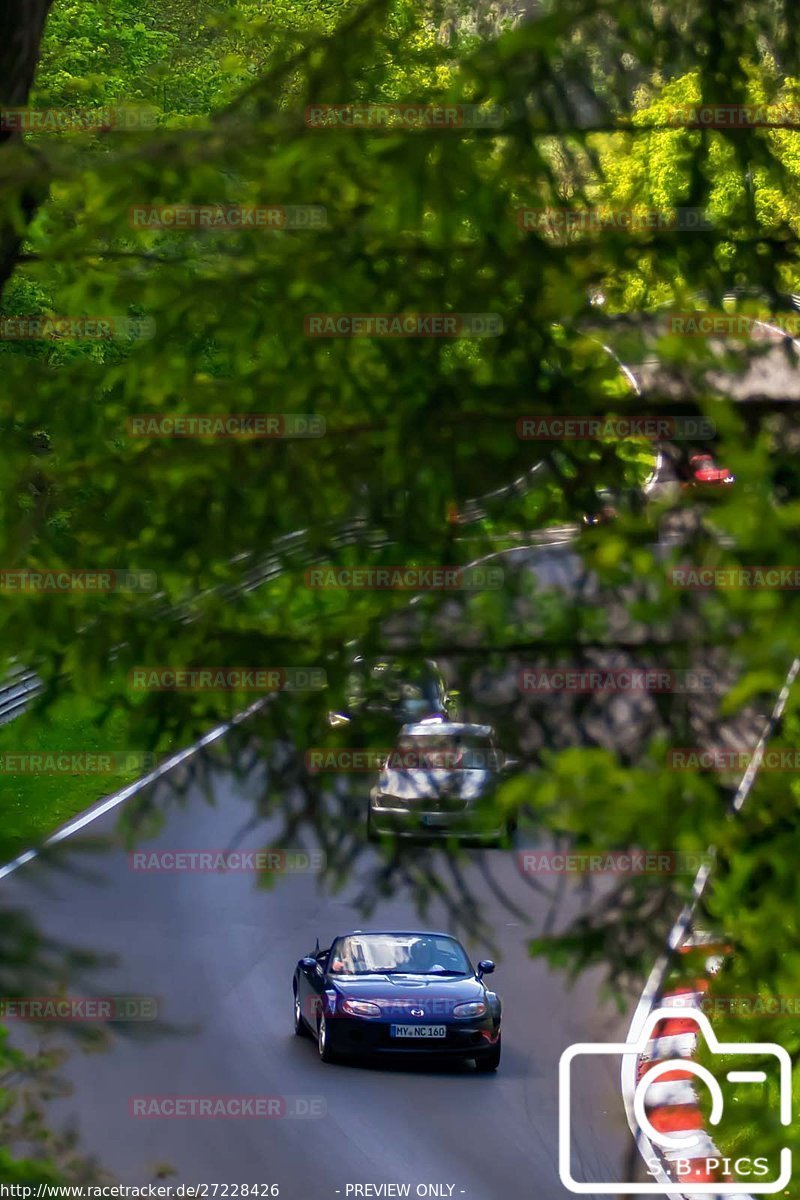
22	686
679	934
16	693
292	547
19	689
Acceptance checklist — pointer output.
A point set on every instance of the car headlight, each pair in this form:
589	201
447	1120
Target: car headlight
475	1008
361	1008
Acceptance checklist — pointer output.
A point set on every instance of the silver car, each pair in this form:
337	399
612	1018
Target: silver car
440	781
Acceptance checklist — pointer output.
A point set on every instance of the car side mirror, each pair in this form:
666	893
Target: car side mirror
485	967
309	964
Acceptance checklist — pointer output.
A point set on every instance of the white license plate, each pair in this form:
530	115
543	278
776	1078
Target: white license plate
418	1031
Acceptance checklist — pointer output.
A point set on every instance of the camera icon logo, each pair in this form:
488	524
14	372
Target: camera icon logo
673	1145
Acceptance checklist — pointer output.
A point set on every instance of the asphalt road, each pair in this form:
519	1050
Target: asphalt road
219	955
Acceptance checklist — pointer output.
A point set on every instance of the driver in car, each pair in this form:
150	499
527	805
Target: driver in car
421	957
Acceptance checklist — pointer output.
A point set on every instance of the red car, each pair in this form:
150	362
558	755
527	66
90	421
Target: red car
704	470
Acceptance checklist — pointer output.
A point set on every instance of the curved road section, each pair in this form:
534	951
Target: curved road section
217	953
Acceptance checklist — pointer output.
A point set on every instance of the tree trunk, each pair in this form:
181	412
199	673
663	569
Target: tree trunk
21	27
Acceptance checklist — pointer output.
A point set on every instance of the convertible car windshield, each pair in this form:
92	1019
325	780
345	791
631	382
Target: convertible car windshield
402	954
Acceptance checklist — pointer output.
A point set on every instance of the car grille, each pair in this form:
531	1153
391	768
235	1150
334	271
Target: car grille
445	802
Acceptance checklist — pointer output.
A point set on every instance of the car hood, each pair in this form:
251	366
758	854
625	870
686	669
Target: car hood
429	992
410	784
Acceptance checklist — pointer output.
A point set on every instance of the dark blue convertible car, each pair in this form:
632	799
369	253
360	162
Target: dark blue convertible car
395	993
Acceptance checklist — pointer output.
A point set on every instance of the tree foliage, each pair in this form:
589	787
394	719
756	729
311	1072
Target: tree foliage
418	221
